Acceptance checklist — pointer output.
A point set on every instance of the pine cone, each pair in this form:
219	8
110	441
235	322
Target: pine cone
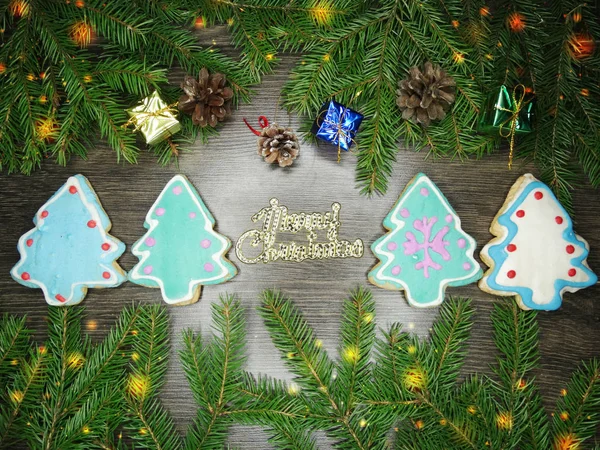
425	96
279	144
207	100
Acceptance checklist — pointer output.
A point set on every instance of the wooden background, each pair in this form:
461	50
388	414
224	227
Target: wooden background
235	183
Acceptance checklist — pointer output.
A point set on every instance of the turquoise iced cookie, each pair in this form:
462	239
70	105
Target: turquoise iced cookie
69	250
535	256
425	249
181	251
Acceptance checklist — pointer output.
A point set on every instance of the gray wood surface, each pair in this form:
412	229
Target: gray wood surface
235	183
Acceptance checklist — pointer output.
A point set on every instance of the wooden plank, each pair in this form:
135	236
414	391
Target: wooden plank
235	183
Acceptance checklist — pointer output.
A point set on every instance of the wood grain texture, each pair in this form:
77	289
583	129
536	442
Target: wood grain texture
235	183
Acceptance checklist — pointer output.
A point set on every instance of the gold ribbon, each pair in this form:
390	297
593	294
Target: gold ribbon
147	115
518	104
339	133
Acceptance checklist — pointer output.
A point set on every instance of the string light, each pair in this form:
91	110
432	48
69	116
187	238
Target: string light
415	378
75	360
318	343
368	317
504	421
293	389
138	385
2	67
581	45
564	416
87	79
82	33
351	354
472	409
484	11
80	3
363	423
563	392
85	429
419	424
566	442
46	130
322	13
199	23
455	23
91	325
18	8
17	396
516	22
458	58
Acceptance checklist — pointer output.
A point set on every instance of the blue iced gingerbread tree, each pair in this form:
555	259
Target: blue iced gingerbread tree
181	251
69	250
425	249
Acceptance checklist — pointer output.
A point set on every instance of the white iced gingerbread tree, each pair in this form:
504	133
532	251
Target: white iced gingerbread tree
181	251
536	255
69	250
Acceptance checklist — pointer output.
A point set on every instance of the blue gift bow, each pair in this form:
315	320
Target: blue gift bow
339	126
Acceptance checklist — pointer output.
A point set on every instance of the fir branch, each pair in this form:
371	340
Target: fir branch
14	342
225	359
448	337
23	393
577	412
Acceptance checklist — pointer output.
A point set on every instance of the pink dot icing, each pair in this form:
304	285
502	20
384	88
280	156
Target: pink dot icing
148	270
404	212
205	243
160	211
395	270
150	242
392	246
209	267
192	215
449	218
424	192
177	190
461	243
467	266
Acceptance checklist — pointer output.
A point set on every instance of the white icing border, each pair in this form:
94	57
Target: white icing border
400	224
145	254
72	181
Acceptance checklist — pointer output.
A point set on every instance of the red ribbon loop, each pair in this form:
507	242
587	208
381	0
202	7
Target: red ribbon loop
262	121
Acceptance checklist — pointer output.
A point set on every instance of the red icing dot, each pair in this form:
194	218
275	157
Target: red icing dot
106	275
572	272
25	276
511	274
538	195
29	242
558	219
520	213
106	246
73	190
91	224
60	298
44	214
511	247
570	249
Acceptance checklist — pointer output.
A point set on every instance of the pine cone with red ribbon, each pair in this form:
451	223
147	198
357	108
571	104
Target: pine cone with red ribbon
278	144
207	100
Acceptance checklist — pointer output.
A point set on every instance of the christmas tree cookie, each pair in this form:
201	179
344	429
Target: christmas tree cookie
181	251
536	255
425	249
69	250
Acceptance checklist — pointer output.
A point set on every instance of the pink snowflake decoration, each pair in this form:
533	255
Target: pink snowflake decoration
438	245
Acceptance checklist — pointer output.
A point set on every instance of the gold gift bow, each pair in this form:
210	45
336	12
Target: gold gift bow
139	123
518	106
340	131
